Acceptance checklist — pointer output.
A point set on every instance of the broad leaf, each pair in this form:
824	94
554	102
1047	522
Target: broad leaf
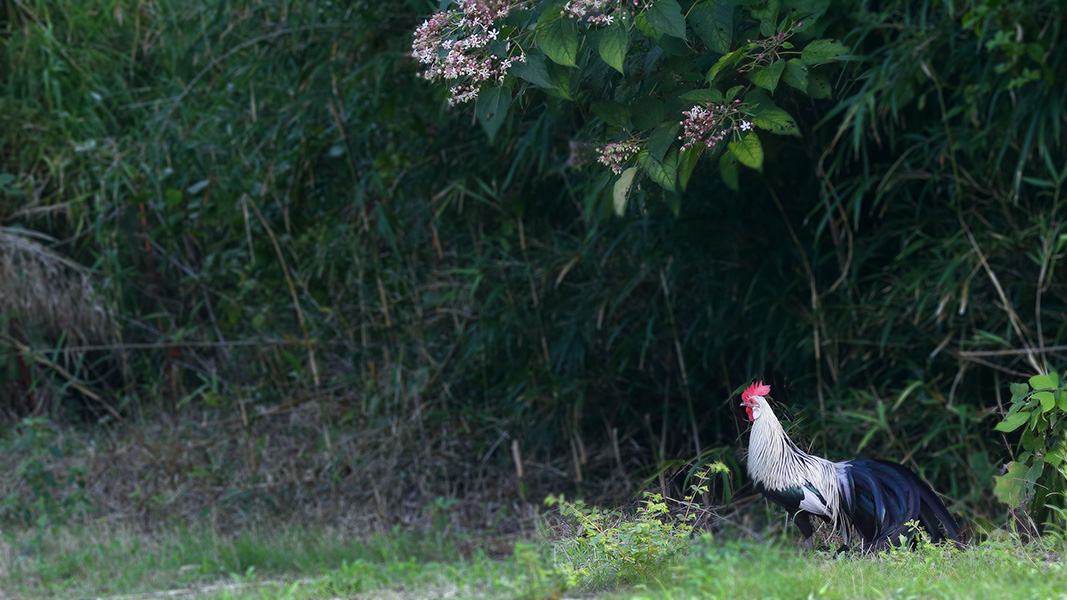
768	17
687	162
612	47
1047	400
1043	382
822	51
559	41
1009	487
748	151
533	70
661	139
664	172
666	16
725	61
615	114
647	112
796	74
818	85
492	109
767	77
776	120
729	170
621	191
703	96
1013	422
1018	390
714	22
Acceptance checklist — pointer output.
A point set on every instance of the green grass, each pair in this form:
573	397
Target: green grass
735	570
295	563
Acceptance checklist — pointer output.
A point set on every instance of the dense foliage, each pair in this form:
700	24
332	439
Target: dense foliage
224	206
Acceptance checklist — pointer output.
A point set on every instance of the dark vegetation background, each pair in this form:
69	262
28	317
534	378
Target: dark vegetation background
251	265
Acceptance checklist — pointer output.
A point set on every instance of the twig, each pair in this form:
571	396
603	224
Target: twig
70	377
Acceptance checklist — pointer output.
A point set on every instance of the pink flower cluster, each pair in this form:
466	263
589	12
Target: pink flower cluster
581	9
601	13
711	124
613	155
455	46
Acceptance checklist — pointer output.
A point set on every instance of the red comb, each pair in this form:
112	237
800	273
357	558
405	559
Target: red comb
756	389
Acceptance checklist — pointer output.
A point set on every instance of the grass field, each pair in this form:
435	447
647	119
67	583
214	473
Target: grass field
92	561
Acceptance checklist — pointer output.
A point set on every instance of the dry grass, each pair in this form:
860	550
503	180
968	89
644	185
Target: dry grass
315	464
48	292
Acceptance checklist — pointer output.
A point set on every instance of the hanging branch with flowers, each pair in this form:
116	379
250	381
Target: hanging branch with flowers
641	67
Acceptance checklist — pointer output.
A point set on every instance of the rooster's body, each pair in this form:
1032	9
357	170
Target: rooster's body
874	498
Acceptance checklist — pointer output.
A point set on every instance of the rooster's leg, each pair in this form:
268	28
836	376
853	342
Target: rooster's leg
804	525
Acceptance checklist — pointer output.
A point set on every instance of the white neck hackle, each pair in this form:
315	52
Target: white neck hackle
777	463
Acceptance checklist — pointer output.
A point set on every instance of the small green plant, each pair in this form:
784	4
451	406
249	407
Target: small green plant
49	493
611	549
440	512
1038	473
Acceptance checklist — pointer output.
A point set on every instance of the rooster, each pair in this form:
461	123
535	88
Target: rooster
876	498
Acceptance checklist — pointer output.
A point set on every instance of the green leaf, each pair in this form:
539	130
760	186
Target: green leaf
559	41
533	70
776	120
729	170
1043	382
688	162
664	172
796	74
666	16
822	51
748	151
1009	487
1018	390
492	109
767	77
647	112
818	85
768	16
809	9
703	96
1047	400
621	191
1013	422
1062	400
612	47
615	114
714	22
661	138
725	61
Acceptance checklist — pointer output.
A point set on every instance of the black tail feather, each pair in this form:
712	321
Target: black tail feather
885	496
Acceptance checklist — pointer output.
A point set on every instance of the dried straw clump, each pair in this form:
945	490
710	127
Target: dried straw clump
49	293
